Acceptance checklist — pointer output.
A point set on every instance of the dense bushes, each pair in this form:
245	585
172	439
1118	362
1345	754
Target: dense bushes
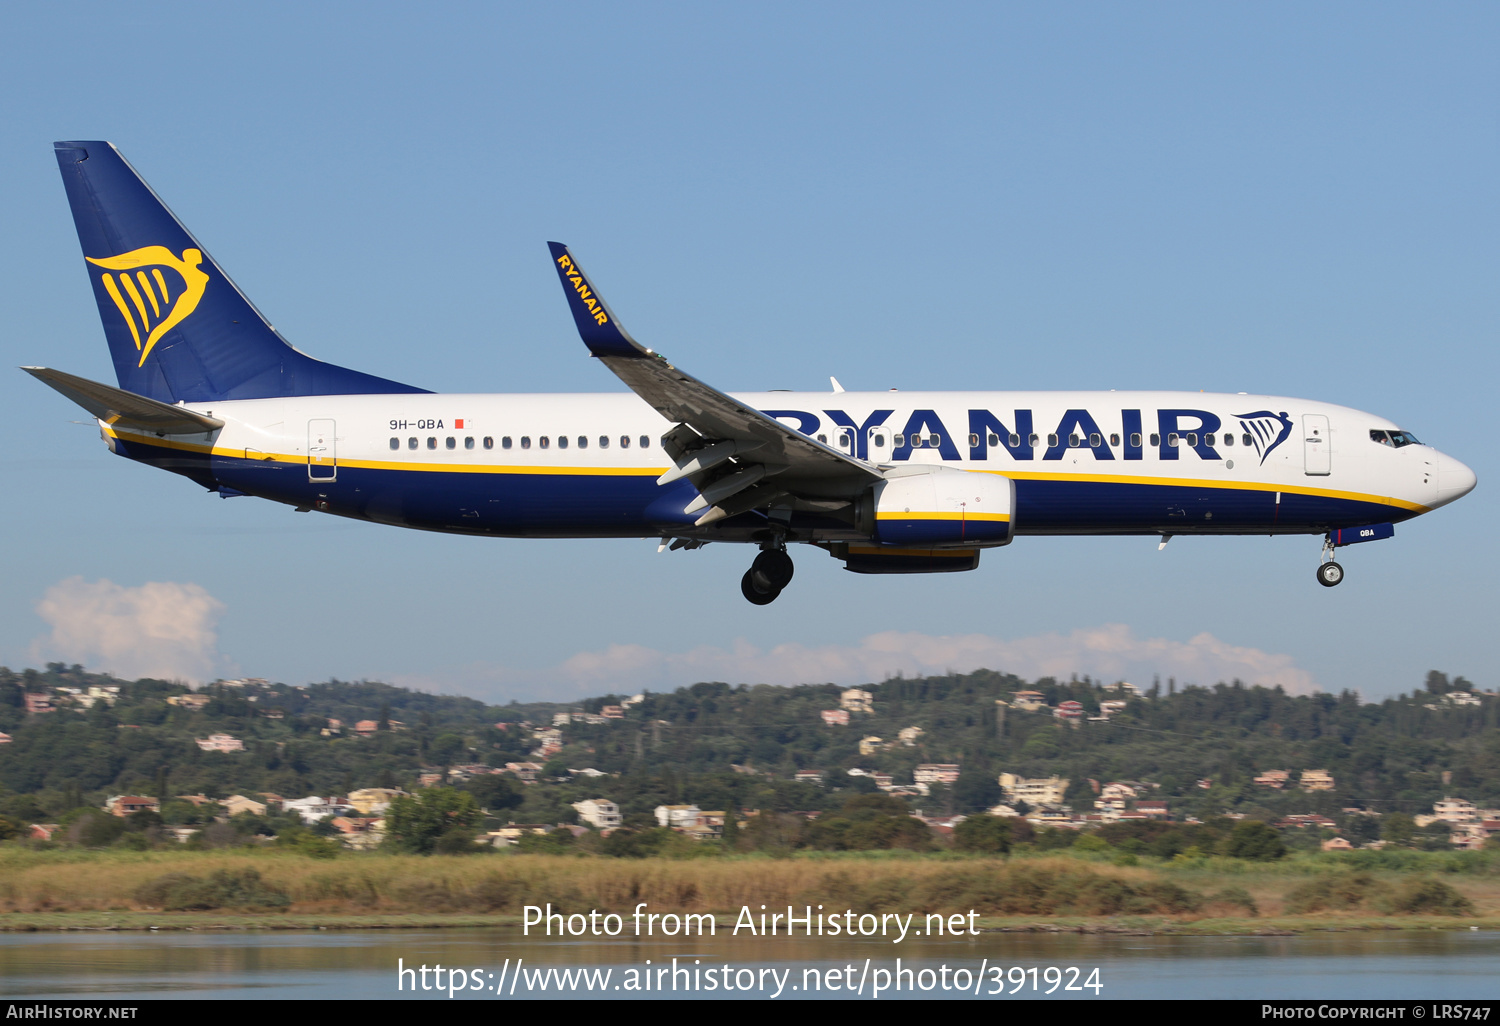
993	835
867	822
1019	889
1349	892
224	888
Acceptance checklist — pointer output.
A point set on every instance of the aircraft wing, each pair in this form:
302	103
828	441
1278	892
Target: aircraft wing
737	457
116	406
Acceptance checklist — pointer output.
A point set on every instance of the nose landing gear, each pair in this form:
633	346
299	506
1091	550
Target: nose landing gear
768	575
1329	572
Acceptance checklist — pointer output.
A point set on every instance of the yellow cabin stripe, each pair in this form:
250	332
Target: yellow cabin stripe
451	468
489	468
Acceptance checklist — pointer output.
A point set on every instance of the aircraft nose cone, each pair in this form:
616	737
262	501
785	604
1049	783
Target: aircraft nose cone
1454	480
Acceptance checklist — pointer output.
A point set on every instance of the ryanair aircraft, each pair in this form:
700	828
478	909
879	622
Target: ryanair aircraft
888	482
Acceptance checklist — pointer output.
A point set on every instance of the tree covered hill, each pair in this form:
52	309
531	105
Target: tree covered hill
719	745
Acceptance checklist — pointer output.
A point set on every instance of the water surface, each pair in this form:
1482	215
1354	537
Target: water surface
1439	965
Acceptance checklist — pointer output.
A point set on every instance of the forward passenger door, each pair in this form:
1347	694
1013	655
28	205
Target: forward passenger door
1315	446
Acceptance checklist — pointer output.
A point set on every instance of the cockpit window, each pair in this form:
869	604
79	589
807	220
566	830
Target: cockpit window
1395	439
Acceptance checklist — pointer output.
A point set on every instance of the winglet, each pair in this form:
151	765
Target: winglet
597	325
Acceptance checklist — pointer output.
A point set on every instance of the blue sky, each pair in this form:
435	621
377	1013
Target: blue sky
1264	198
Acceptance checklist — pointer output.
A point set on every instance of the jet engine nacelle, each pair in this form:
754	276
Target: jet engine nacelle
940	507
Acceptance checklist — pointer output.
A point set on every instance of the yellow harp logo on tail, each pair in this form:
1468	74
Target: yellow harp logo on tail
151	302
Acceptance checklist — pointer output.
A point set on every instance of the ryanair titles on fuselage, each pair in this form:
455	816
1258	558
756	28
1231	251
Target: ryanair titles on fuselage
1171	431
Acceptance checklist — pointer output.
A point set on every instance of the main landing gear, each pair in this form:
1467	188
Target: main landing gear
1329	572
771	572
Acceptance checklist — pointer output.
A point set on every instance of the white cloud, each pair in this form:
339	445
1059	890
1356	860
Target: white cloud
1111	652
161	629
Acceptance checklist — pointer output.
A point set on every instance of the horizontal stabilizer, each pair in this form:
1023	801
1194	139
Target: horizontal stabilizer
116	406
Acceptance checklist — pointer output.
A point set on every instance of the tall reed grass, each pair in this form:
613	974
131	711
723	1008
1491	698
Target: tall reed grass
384	884
73	880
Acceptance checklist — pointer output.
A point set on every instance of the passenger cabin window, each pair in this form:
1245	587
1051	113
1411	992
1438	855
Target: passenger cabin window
1052	441
1095	440
1114	439
1033	439
995	439
898	441
1015	440
431	442
1155	441
604	441
1245	439
1135	440
452	442
1074	441
974	441
562	442
469	442
525	442
411	443
583	441
395	443
624	441
879	441
1192	439
1228	438
645	442
1172	438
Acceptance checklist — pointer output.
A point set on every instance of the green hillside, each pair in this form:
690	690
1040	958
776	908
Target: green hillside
721	746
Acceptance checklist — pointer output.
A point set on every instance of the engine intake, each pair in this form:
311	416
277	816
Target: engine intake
940	507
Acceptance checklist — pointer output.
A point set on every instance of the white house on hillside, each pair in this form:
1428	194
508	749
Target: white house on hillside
598	812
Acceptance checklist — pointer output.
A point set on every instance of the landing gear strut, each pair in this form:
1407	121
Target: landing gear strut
768	575
1329	572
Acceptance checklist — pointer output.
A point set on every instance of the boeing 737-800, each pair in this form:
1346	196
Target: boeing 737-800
887	482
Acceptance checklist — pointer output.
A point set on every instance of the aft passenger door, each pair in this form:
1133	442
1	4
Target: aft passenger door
1315	445
322	451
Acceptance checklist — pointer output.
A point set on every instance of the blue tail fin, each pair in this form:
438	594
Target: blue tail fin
178	328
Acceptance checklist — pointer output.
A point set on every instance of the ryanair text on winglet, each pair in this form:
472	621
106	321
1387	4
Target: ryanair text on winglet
581	286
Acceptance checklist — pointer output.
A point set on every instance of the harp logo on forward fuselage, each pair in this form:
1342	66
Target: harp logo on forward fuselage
151	302
1266	429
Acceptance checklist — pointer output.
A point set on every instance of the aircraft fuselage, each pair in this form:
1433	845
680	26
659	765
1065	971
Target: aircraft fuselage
585	465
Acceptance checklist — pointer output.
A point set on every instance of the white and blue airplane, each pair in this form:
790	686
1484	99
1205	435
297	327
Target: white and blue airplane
887	482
